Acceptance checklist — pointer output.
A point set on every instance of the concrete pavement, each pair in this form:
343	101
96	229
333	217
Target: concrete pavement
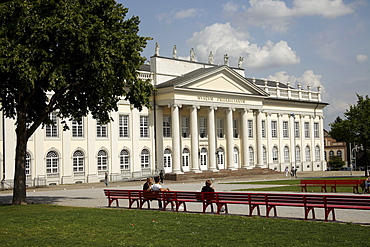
92	195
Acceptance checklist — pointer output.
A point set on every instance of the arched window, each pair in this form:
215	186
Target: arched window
28	164
220	157
236	156
331	154
102	160
185	157
297	154
78	161
339	153
167	158
124	159
264	155
317	153
308	153
275	155
144	158
52	162
251	156
286	154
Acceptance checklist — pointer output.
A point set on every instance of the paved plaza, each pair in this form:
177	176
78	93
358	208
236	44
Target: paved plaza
92	195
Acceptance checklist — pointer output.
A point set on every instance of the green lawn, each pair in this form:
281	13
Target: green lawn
49	225
291	185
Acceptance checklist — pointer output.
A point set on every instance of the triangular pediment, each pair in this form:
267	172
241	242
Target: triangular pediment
216	79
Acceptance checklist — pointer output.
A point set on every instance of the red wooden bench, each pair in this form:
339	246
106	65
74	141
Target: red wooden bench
332	183
252	200
131	195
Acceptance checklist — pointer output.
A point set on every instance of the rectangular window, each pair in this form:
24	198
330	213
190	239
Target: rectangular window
285	129
296	129
316	130
101	130
273	129
307	130
263	128
250	128
144	127
77	129
235	128
52	129
166	127
202	127
124	131
185	127
220	128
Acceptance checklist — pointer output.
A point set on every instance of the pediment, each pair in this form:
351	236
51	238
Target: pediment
218	79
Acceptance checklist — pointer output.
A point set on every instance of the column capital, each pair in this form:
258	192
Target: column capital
174	105
213	108
193	107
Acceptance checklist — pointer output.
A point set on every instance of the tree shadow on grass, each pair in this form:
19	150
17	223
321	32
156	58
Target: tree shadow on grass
7	200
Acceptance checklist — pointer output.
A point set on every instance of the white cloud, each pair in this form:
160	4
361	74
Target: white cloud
186	13
229	7
284	77
276	16
182	14
361	58
224	39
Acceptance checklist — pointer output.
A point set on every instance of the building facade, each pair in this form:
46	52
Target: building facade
334	148
204	117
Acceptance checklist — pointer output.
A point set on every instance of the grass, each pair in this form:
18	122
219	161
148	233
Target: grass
291	185
50	225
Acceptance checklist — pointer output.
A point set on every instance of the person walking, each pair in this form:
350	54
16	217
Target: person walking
161	176
106	179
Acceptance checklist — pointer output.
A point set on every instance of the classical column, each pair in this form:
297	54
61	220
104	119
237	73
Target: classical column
281	138
194	138
292	139
211	139
312	136
176	152
322	145
269	140
259	147
229	139
244	130
303	147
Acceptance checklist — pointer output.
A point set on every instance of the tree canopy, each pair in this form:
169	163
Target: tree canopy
72	57
355	127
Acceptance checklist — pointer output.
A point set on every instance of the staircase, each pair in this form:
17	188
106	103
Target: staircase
186	176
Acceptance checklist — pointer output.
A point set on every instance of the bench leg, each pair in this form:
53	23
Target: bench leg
252	207
307	211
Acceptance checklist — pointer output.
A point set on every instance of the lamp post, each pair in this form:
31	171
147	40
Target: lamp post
355	150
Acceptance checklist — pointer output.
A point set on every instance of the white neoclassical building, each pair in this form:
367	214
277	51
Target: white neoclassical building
204	117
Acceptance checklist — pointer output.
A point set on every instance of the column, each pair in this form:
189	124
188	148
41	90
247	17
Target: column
211	139
159	138
244	130
281	138
176	152
268	136
303	147
259	147
322	145
312	136
194	138
229	139
292	139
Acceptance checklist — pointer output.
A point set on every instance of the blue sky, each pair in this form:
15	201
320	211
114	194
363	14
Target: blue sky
312	42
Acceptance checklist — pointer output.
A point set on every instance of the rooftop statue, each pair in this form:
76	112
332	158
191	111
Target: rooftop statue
156	53
226	60
192	54
174	53
210	58
240	62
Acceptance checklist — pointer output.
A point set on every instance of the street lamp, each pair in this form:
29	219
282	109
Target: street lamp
355	150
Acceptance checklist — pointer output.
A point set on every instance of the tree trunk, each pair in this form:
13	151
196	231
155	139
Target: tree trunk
19	192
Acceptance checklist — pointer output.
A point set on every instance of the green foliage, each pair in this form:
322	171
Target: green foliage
85	52
335	162
47	225
355	127
68	56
